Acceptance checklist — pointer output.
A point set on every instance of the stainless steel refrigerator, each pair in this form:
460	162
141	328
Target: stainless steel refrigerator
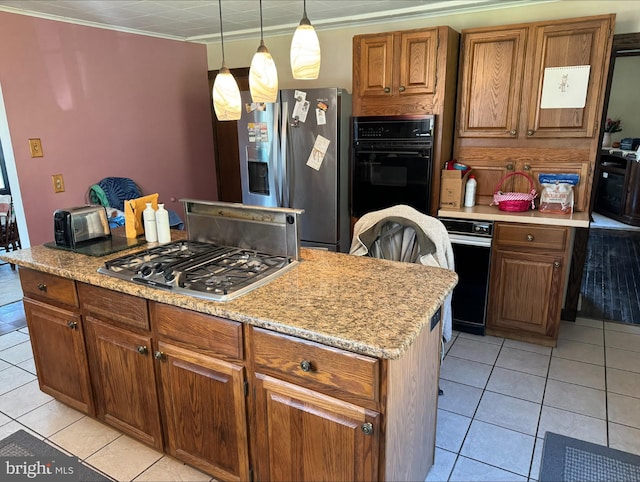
295	153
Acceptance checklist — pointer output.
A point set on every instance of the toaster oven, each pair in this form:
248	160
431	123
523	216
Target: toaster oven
81	224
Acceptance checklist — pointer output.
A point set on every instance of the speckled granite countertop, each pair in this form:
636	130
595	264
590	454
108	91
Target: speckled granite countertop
368	306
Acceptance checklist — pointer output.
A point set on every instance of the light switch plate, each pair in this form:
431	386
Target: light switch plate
58	183
35	147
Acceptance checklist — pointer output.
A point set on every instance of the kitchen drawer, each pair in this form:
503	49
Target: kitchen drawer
199	331
107	305
551	238
316	366
48	287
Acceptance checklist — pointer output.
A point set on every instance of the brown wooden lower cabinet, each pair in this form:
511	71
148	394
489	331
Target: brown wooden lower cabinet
204	406
527	282
122	369
305	435
235	401
57	341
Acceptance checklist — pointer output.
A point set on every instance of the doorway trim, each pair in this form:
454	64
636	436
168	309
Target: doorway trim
12	173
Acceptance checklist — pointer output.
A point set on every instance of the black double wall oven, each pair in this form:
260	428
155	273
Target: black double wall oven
392	163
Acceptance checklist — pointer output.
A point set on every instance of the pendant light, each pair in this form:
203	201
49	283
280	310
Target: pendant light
226	95
305	50
263	75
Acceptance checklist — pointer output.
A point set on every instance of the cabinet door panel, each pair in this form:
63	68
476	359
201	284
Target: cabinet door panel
59	354
418	56
310	436
488	176
491	86
125	382
375	73
561	45
204	405
525	292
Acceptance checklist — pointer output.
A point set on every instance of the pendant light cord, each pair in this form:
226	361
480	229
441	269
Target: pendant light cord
261	37
221	35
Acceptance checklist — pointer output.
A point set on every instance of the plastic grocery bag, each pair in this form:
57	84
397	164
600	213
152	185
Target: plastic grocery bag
557	192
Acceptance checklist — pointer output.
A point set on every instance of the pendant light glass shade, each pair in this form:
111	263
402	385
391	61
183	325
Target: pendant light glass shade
263	75
305	50
226	94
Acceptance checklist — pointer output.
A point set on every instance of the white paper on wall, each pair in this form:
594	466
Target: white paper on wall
565	87
318	152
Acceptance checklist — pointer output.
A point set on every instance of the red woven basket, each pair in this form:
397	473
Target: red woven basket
514	201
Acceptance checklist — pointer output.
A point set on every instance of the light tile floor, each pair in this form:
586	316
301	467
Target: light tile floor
500	397
24	407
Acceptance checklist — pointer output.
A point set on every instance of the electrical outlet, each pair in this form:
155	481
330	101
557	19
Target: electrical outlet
58	183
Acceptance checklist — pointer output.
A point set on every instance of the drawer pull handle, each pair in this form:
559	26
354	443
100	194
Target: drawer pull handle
305	366
159	356
530	132
509	167
530	237
367	428
513	132
527	167
401	88
42	287
72	325
143	350
556	264
387	90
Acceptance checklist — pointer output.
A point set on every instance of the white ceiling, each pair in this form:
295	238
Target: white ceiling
199	21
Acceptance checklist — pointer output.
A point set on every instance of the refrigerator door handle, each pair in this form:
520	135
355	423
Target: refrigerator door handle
283	178
277	169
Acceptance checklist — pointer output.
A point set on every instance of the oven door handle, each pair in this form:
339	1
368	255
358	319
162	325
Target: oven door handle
470	240
404	153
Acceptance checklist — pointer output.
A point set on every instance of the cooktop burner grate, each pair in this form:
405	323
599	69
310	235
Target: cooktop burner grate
200	269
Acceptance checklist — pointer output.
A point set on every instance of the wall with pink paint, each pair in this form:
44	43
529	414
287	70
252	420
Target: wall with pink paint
104	103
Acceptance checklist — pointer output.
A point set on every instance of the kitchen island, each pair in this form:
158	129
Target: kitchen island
328	371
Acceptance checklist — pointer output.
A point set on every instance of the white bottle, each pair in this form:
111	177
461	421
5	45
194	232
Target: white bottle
162	224
470	192
150	230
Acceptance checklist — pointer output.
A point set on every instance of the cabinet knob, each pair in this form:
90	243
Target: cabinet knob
159	356
366	428
42	287
529	237
143	350
72	325
530	132
509	167
513	132
387	90
527	167
556	264
305	366
401	88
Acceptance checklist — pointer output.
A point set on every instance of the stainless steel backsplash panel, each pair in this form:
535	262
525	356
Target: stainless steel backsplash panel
265	229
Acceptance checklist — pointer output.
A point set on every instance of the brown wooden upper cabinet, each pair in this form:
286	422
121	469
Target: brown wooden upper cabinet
396	73
397	64
502	74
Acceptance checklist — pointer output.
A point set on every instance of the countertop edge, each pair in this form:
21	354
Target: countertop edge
392	350
492	213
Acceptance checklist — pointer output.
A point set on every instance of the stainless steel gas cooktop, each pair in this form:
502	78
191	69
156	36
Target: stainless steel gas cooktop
206	268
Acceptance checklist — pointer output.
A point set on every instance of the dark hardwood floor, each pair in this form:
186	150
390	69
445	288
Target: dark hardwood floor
611	281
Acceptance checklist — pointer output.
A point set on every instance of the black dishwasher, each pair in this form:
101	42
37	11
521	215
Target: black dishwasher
471	243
